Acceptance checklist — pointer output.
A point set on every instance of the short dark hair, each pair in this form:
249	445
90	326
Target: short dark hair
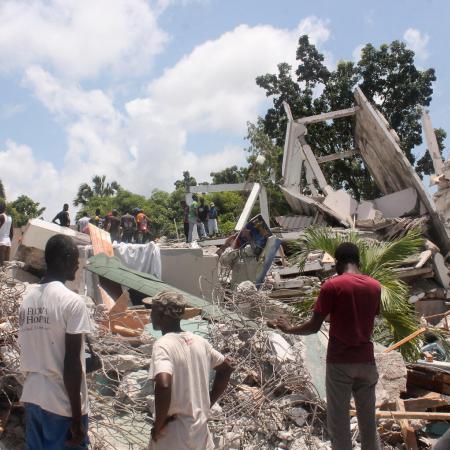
57	248
66	206
347	253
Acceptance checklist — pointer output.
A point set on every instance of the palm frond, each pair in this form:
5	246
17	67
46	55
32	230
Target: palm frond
378	260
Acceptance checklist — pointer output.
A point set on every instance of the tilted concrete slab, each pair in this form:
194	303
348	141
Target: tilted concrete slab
398	204
388	165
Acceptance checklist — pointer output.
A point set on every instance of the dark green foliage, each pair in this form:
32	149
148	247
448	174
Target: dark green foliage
100	188
2	191
387	76
23	209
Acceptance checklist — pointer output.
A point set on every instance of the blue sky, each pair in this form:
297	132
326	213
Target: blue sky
141	90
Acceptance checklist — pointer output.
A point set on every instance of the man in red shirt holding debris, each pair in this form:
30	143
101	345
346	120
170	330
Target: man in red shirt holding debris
352	300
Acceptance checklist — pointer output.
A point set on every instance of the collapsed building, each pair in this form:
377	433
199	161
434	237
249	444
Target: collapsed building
277	395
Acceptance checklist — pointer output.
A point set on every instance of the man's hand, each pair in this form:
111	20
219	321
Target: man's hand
77	434
280	324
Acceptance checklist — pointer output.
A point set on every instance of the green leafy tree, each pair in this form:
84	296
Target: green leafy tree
100	188
387	76
2	191
185	182
23	209
378	260
230	175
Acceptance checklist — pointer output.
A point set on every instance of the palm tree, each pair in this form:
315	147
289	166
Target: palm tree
378	260
100	188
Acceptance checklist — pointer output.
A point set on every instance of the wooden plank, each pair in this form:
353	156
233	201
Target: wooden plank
405	340
410	415
409	436
328	116
430	400
413	272
287	293
289	284
101	241
340	155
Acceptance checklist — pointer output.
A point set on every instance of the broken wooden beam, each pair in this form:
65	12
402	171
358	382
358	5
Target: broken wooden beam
405	340
409	436
328	116
339	155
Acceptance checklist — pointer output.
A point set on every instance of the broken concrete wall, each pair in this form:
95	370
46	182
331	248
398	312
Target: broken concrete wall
190	270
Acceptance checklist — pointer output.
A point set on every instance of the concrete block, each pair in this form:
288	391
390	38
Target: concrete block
366	211
398	204
189	270
34	239
342	204
441	270
38	232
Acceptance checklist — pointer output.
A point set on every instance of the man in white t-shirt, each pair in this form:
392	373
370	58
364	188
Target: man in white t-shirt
180	367
53	321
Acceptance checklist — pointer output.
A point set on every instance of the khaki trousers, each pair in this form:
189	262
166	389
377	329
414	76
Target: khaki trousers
343	380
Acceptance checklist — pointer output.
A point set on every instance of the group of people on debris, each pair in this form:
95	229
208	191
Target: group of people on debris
199	215
128	228
134	227
54	324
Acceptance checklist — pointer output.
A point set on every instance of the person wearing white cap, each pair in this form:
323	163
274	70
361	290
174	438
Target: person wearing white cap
180	367
213	228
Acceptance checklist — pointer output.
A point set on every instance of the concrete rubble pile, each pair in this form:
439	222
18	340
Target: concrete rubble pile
277	397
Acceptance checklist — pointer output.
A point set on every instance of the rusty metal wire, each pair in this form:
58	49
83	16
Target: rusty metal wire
11	292
265	385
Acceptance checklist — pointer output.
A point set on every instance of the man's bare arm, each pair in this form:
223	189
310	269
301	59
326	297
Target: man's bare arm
163	396
72	376
11	231
310	327
223	374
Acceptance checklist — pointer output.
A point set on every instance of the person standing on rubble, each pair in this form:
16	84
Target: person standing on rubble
352	300
83	223
185	210
63	217
203	212
52	323
194	220
6	233
128	224
113	226
213	215
180	367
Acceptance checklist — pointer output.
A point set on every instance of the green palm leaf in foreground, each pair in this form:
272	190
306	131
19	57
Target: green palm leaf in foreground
378	260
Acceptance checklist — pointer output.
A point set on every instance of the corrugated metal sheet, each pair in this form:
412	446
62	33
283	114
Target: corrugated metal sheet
294	222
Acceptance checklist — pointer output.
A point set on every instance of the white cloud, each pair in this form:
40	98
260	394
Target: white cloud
214	86
80	38
417	41
142	145
22	173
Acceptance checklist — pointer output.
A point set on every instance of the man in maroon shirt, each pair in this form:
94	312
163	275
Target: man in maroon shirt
352	300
